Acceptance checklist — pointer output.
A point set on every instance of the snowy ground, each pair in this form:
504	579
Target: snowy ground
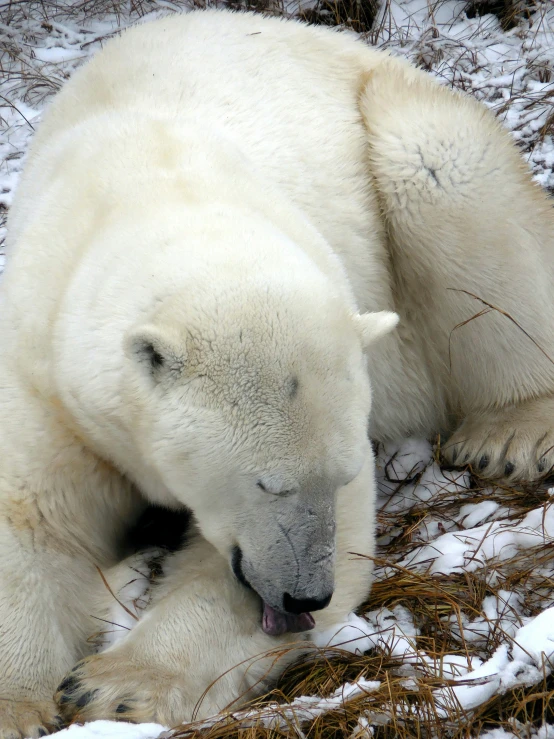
489	551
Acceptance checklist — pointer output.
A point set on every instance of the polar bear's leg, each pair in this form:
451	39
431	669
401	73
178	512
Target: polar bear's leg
472	240
44	608
200	647
61	511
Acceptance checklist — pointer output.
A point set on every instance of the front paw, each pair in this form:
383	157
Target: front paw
111	686
24	719
118	686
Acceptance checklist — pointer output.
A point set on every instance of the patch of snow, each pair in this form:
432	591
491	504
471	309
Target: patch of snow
470	549
111	730
535	641
521	663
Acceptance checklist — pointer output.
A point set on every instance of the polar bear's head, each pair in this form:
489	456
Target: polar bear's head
252	402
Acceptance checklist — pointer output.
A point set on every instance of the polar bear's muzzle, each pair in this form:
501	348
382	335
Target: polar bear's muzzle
285	552
295	614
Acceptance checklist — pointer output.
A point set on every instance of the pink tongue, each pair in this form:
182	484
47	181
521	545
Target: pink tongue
276	623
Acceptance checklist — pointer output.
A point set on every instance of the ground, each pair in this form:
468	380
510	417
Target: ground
457	638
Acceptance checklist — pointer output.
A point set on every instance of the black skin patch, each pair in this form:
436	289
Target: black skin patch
159	527
236	565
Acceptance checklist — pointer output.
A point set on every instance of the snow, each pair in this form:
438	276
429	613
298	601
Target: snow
543	732
535	641
510	642
498	540
111	730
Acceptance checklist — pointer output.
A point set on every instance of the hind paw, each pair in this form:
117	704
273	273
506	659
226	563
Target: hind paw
514	444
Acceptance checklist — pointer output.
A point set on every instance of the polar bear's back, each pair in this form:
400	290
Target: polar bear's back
286	92
238	68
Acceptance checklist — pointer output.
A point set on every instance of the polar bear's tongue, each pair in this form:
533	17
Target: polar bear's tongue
276	623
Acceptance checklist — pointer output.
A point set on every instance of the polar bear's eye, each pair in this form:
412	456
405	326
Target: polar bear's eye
284	492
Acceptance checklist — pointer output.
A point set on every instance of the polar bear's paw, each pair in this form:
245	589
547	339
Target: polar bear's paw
28	719
514	444
113	686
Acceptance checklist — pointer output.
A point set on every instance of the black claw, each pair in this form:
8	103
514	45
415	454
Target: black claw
58	722
541	465
66	698
484	461
85	699
42	731
68	685
122	708
509	468
466	458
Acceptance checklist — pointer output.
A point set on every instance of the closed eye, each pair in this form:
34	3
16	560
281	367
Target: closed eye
275	492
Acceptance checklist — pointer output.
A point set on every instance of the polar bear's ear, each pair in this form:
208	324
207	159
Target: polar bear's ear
372	326
154	351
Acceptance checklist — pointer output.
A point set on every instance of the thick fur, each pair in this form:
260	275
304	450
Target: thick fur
218	216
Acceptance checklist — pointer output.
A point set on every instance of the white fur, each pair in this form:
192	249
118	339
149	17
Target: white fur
251	201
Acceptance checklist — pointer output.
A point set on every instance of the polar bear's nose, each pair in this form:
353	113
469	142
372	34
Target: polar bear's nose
305	605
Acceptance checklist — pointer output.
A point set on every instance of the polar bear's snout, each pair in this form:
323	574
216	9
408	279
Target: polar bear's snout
290	561
295	614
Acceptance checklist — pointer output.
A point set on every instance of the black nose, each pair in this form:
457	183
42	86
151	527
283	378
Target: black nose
305	605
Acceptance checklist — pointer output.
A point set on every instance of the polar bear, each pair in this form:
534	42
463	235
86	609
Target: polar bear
220	219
